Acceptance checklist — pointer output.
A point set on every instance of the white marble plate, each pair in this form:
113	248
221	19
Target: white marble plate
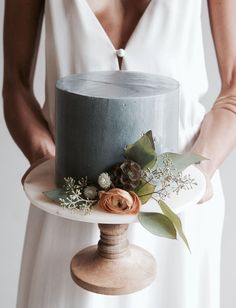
41	179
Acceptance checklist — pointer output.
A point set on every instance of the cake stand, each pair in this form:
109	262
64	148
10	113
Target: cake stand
113	266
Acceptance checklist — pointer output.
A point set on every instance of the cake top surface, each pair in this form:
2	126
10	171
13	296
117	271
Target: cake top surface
117	84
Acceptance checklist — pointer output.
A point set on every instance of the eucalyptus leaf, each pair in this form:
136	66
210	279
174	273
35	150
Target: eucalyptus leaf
181	161
175	220
145	191
55	195
142	151
157	224
149	135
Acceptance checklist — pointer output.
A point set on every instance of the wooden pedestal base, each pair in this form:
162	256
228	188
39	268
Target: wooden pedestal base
113	267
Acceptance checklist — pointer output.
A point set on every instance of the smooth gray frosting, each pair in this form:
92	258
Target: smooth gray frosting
99	113
117	84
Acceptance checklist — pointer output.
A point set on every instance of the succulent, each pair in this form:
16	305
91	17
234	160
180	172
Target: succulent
127	175
104	180
90	192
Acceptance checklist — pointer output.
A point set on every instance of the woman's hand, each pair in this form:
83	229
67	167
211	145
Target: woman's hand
40	148
209	189
44	149
217	134
34	165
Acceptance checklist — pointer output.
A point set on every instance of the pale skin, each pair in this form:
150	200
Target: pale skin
23	115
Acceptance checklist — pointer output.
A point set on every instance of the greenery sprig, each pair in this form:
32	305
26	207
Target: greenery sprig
75	199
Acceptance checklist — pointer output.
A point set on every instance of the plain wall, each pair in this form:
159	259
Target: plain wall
14	205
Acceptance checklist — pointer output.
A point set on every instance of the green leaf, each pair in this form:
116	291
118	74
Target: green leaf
175	220
142	151
149	135
181	161
145	191
54	195
157	224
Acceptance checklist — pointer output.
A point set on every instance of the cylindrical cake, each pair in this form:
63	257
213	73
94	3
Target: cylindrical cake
99	113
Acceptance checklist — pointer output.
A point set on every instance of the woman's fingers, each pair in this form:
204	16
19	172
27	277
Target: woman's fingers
34	165
208	194
209	189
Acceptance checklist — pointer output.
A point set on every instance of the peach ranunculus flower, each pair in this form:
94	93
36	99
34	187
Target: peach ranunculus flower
119	201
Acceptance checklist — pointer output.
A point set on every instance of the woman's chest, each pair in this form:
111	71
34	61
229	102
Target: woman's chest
85	36
118	18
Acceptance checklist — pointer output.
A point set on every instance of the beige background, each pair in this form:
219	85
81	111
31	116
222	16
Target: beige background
14	206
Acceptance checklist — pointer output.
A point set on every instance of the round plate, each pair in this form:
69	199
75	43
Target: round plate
41	179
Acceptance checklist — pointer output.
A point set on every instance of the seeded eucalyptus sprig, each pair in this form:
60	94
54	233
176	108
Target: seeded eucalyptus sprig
166	179
72	195
75	198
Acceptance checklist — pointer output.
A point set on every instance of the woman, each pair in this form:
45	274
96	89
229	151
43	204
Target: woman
156	36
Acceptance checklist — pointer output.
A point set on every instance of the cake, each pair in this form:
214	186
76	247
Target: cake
99	113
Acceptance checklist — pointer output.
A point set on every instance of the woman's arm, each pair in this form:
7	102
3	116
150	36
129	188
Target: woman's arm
23	114
217	137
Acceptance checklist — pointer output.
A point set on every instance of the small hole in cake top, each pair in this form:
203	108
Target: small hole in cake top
117	84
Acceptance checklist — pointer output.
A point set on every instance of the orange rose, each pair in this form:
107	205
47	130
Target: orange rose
119	201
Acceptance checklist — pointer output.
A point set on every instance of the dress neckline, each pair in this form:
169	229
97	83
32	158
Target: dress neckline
133	34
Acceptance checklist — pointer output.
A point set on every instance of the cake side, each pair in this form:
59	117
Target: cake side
92	131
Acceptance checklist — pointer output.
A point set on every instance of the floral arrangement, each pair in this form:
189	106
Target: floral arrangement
127	186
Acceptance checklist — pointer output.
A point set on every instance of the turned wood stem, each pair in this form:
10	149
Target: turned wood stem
113	243
113	267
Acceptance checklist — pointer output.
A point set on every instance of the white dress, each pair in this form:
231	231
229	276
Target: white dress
166	41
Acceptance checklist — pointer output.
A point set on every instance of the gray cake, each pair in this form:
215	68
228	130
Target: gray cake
99	113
